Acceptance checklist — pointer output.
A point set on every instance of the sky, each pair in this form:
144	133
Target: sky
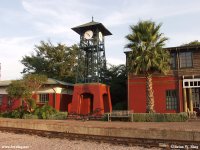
24	23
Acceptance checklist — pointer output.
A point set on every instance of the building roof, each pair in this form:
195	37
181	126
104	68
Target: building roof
193	47
50	81
92	25
178	48
5	82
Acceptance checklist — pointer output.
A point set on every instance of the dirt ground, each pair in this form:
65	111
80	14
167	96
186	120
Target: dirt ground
11	141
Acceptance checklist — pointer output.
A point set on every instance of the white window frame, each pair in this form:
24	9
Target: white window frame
44	98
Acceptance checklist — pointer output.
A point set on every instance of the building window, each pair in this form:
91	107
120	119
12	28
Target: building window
185	59
9	102
1	99
44	98
173	60
171	100
195	97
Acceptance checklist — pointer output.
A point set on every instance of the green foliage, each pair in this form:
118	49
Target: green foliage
192	43
44	112
22	89
58	62
30	116
31	103
105	117
17	113
146	45
59	116
6	114
156	117
34	81
117	79
147	55
18	90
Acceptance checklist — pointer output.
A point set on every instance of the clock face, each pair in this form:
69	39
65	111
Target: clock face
88	34
100	36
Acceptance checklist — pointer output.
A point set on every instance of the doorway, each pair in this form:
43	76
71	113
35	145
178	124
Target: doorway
86	103
106	103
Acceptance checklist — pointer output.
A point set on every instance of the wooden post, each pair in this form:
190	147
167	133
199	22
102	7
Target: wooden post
185	100
190	100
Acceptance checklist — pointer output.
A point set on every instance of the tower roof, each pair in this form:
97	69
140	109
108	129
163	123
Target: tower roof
92	25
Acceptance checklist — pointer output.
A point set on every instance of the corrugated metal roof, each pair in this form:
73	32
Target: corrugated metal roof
194	47
54	81
5	82
50	81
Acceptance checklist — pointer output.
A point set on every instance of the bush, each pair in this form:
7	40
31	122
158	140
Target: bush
58	116
105	117
44	112
156	117
31	103
16	114
30	116
6	114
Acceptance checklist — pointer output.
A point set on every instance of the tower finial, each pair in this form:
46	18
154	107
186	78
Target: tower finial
92	19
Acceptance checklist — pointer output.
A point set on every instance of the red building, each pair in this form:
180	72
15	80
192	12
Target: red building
178	91
56	93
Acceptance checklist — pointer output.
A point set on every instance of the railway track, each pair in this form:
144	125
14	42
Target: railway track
148	143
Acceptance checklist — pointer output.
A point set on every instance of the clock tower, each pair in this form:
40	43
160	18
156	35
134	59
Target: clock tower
91	58
90	92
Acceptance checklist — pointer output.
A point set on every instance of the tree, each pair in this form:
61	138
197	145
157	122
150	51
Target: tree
17	90
117	77
22	89
34	81
58	62
147	55
192	43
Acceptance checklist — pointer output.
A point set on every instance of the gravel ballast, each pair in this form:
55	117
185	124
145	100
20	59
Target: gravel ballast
32	142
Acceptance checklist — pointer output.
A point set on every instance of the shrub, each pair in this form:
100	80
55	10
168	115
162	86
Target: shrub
44	112
7	114
59	116
105	117
156	117
31	102
16	114
30	116
139	117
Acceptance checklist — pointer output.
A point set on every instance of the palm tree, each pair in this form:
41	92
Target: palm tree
147	55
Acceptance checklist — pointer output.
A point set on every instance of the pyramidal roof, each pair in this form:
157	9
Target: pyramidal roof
92	25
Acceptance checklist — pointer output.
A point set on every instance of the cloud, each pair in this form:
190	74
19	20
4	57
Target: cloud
29	21
115	61
12	50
